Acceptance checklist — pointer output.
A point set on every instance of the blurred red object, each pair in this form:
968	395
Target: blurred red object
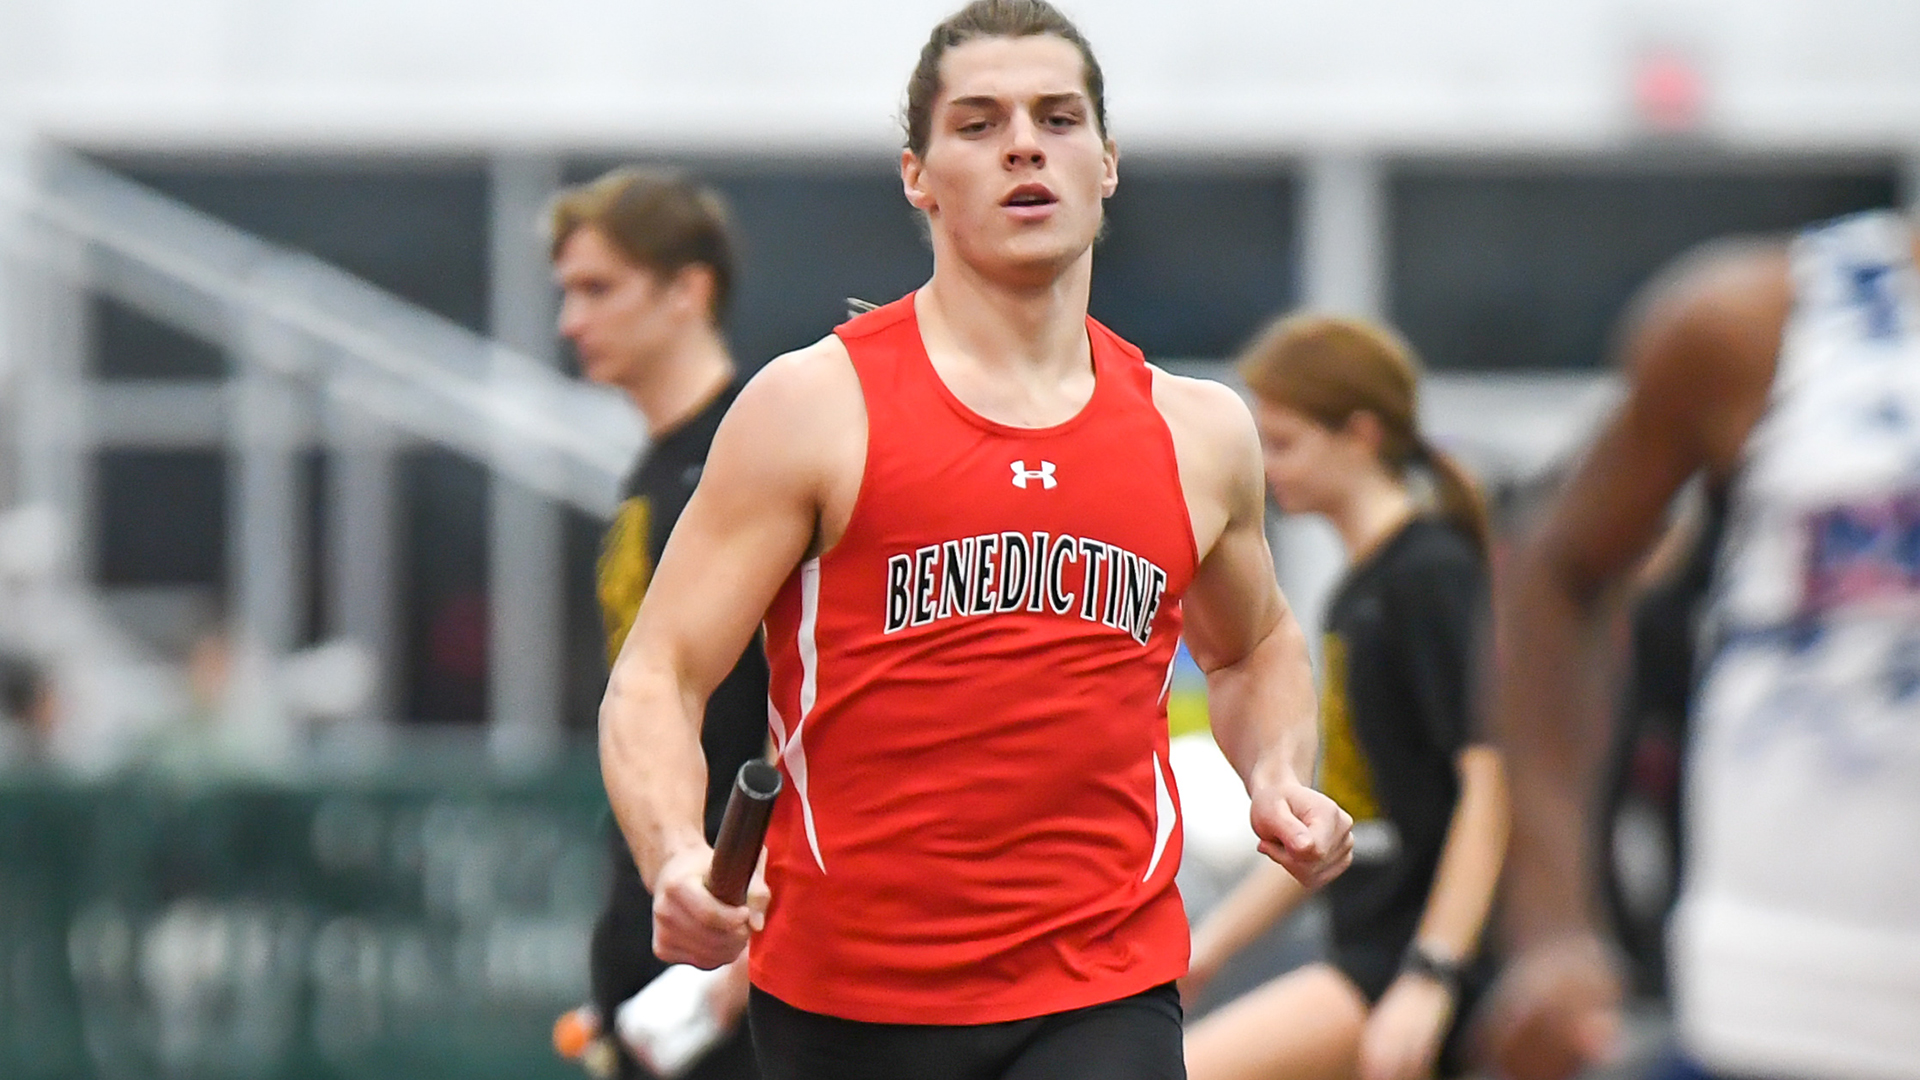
1669	93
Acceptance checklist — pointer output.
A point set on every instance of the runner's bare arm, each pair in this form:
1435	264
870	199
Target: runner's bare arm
1238	626
1699	363
1244	637
753	518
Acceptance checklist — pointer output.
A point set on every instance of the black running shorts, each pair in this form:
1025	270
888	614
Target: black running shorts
1134	1038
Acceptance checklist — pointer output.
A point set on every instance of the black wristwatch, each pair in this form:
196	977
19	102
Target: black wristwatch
1441	969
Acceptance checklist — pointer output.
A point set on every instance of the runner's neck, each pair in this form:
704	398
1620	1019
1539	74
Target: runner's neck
1002	329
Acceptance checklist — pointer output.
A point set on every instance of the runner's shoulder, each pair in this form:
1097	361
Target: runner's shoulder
820	370
802	389
1204	403
1207	413
1214	440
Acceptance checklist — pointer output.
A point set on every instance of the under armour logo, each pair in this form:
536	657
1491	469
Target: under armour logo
1044	474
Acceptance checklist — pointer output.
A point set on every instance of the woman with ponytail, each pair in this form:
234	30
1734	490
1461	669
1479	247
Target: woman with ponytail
1335	400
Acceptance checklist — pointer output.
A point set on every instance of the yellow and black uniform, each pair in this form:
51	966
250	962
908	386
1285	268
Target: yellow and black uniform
734	730
1395	714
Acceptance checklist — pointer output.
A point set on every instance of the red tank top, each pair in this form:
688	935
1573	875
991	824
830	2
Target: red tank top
969	699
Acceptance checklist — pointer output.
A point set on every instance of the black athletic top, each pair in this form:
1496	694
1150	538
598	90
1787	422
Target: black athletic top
733	731
1395	714
736	722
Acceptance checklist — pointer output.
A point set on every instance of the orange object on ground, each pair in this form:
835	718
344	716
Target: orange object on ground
574	1031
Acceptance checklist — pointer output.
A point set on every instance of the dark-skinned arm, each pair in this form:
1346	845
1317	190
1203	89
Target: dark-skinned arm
1699	361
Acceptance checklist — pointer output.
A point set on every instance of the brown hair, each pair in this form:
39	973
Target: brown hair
991	19
1329	368
660	221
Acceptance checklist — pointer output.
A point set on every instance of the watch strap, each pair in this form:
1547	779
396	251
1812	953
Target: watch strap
1444	970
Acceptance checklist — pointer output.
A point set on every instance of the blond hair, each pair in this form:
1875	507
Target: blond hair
660	220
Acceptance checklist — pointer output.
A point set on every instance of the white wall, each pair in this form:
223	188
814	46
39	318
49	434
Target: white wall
1235	76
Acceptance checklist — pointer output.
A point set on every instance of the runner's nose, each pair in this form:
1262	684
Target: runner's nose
1024	150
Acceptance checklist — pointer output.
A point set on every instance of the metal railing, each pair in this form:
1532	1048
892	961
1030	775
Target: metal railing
289	314
317	357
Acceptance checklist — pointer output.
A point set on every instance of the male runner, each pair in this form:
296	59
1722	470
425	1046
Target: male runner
1785	374
645	263
974	522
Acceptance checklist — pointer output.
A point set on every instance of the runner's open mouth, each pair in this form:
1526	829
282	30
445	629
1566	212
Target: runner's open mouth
1029	195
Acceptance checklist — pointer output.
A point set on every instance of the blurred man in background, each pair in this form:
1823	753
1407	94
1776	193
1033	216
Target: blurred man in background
1786	374
645	264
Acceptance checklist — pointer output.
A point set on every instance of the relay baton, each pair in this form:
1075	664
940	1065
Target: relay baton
736	851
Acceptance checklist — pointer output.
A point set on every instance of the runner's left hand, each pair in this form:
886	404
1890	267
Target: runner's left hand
1302	830
1405	1030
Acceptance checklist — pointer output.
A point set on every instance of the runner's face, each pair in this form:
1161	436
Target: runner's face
1015	169
618	316
1309	467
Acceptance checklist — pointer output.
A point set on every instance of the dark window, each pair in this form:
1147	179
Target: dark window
1508	268
128	344
415	228
162	517
1192	265
443	547
809	242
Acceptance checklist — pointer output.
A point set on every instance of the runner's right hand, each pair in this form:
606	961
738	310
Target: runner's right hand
689	925
1303	830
